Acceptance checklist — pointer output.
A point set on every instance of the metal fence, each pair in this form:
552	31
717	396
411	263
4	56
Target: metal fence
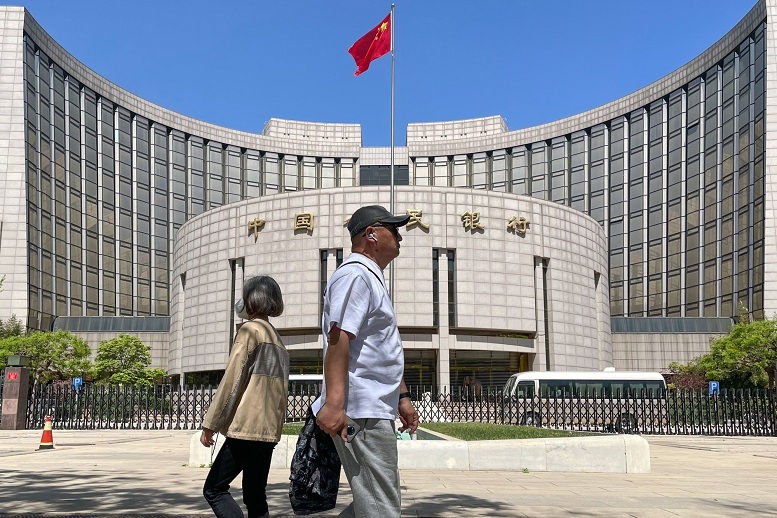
740	412
162	407
671	412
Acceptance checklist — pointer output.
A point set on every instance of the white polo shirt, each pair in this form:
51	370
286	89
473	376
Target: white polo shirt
357	302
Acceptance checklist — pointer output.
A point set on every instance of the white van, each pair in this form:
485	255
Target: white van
624	400
558	383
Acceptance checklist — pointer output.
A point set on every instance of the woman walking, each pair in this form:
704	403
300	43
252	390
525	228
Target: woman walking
249	406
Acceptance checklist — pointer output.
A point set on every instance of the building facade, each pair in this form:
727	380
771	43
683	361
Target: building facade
486	283
97	185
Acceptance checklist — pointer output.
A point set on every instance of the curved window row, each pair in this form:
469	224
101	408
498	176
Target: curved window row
108	189
678	186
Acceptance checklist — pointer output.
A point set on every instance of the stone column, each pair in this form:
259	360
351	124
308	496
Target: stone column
16	388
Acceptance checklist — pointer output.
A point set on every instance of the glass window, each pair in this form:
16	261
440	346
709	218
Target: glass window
233	175
440	166
347	177
558	171
215	175
271	173
520	170
421	171
328	173
499	170
381	175
480	171
460	176
290	173
253	170
309	173
539	171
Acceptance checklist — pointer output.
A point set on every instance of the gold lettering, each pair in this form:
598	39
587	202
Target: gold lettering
471	220
303	221
415	219
518	225
256	225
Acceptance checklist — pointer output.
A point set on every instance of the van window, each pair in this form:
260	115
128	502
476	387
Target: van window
644	388
585	388
555	388
525	389
305	384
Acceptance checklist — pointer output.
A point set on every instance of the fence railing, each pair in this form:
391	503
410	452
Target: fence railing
162	407
668	412
672	412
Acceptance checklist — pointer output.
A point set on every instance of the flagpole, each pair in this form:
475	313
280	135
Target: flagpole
391	196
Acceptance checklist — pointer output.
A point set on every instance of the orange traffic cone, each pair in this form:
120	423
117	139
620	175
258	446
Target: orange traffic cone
47	440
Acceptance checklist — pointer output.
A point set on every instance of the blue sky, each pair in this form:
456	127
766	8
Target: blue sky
237	63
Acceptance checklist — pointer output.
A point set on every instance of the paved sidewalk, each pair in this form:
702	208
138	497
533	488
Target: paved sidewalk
144	473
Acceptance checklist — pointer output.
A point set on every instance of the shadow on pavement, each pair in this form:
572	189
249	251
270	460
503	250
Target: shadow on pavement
449	504
101	492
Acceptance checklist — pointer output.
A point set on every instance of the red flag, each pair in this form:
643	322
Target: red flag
372	45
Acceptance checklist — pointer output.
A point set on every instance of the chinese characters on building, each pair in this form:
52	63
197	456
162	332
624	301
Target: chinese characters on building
255	225
470	220
415	219
303	221
518	224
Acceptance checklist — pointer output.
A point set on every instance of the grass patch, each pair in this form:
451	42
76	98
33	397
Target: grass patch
292	428
487	432
476	431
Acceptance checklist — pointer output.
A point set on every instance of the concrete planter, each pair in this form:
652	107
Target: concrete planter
595	454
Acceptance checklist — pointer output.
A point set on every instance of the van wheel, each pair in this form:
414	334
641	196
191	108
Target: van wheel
626	423
531	419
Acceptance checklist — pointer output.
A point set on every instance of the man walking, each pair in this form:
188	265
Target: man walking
364	367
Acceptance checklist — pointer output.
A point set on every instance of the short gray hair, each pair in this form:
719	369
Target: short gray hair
262	296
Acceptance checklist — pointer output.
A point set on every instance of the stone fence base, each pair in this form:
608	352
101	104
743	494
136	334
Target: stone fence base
594	454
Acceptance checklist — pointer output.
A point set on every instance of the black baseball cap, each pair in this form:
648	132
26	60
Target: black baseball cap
371	214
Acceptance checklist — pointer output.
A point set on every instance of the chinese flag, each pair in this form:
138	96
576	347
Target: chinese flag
372	45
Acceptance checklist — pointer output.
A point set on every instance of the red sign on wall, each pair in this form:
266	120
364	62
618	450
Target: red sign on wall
12	376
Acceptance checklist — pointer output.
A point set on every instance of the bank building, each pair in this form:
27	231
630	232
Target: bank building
625	236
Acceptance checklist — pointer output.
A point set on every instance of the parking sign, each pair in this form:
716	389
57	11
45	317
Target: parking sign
714	387
77	383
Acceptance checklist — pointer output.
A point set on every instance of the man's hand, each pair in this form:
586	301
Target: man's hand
331	418
407	415
333	421
206	438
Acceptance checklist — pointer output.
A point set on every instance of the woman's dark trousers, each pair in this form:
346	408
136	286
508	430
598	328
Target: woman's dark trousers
253	459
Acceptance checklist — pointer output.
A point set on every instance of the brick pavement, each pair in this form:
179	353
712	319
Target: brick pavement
144	474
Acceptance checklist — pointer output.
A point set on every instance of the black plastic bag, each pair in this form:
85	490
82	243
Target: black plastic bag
315	470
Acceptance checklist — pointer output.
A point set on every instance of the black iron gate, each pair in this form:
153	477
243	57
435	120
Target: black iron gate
672	412
162	407
666	412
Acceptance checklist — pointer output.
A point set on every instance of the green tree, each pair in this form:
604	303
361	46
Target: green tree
690	375
746	356
53	355
11	327
126	360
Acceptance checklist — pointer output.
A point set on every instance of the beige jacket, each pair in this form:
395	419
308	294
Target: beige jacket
250	402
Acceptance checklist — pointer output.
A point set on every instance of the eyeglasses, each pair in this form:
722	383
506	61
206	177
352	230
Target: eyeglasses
393	228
